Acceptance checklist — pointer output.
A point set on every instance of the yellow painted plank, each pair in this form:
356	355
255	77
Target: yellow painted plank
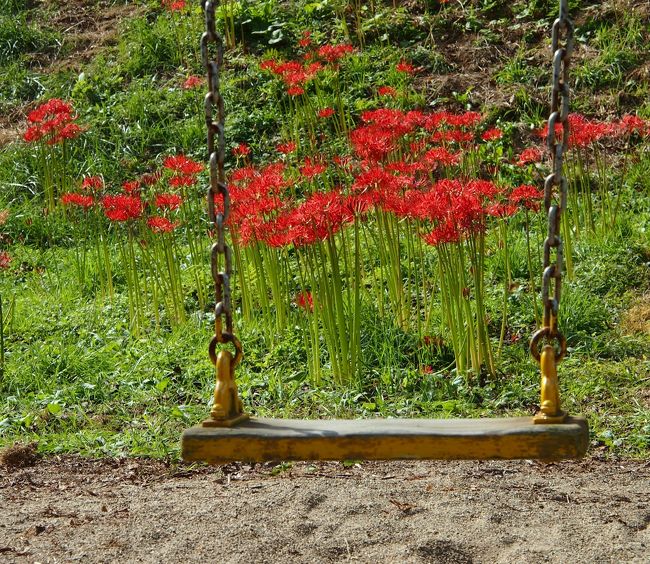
259	440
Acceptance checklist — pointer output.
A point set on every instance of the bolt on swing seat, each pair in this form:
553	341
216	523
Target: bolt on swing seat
231	435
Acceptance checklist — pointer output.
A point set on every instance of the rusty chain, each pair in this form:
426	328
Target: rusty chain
218	187
562	47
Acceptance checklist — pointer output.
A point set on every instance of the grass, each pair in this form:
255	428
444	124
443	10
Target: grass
76	380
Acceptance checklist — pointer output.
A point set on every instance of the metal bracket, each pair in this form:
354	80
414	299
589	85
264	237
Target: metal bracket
227	408
550	411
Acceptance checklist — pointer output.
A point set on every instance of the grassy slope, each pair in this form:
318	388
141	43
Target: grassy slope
75	380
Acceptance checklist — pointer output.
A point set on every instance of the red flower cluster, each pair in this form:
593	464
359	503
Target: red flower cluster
332	53
294	74
161	224
173	5
584	132
192	82
184	169
405	68
384	128
286	148
305	40
387	91
168	201
5	260
530	155
92	183
393	172
305	300
52	121
79	200
122	207
492	134
241	150
310	168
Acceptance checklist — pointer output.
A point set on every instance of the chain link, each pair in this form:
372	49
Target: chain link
555	184
217	187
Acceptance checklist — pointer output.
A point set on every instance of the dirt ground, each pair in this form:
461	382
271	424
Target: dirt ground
72	509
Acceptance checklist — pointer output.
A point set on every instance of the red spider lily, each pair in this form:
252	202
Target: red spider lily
131	187
256	193
311	169
326	112
192	81
377	178
305	41
492	134
293	74
373	142
182	165
32	134
53	120
80	200
287	68
92	183
332	53
465	120
179	180
452	136
483	189
396	120
122	207
315	219
286	148
360	204
634	124
305	300
150	179
527	196
530	155
51	108
68	131
168	201
5	260
584	132
433	341
343	161
160	224
501	209
269	65
440	155
405	67
241	150
447	232
387	91
173	5
295	90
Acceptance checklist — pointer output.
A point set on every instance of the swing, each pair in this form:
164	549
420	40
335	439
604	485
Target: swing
229	434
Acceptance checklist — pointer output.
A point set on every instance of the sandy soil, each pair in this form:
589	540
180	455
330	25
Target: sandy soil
72	509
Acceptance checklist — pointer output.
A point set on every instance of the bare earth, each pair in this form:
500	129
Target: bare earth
73	509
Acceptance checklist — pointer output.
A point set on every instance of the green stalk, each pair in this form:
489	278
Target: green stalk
338	295
2	342
503	236
531	275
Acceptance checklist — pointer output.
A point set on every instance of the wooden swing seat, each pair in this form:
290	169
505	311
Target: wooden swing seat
263	440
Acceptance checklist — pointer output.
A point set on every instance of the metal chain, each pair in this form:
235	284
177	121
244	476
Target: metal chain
562	47
216	151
